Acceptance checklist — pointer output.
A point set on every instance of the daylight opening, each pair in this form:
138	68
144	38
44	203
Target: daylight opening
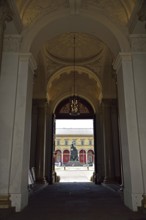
74	150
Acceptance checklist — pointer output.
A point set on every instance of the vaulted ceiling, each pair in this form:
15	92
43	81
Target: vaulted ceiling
93	56
119	11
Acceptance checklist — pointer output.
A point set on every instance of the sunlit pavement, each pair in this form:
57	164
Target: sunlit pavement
74	174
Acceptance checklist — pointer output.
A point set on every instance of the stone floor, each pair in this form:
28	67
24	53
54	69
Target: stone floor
74	174
75	201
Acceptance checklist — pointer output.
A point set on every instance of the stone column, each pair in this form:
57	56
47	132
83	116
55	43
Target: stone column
98	143
20	151
34	120
62	157
86	156
15	117
115	142
138	46
49	146
129	131
5	15
108	145
40	142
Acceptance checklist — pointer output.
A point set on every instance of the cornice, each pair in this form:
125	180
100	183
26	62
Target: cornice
120	58
16	16
11	43
138	42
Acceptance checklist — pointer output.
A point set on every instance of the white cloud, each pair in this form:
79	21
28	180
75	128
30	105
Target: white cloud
62	123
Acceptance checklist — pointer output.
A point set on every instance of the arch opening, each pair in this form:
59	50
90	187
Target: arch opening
74	137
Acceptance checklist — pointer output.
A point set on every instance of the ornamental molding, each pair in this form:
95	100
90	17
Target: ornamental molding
5	12
142	12
122	57
28	57
138	42
35	9
12	43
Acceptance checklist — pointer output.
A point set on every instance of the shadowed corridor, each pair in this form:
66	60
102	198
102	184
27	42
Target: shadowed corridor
76	201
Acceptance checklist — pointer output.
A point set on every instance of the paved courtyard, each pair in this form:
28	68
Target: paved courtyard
74	174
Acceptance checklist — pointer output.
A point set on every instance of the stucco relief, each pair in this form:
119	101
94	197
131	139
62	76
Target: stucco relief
59	52
142	12
5	12
61	48
35	8
119	11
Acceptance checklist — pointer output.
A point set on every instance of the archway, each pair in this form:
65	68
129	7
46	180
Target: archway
81	137
82	156
90	156
58	156
66	156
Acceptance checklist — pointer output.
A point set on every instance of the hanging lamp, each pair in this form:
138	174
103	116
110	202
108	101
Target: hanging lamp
74	101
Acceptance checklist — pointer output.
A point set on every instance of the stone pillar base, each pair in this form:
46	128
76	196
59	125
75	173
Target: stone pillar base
144	201
41	180
55	177
96	178
109	180
5	202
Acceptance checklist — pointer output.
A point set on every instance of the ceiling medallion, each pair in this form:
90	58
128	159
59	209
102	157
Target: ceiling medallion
74	100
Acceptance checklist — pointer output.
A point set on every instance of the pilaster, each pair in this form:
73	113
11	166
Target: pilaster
16	97
8	90
138	47
131	154
109	129
98	142
41	142
20	150
5	15
50	144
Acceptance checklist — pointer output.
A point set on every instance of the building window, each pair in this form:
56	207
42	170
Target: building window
66	142
82	142
58	142
90	142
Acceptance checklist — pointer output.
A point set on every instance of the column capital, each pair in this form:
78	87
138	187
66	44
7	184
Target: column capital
5	12
11	43
142	12
138	42
109	102
28	57
122	57
41	103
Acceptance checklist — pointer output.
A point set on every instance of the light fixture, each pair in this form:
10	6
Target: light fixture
74	101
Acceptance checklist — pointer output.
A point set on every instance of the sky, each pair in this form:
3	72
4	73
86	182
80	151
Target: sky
88	123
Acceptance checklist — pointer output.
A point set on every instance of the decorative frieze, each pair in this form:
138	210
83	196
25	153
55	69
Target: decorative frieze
138	42
28	57
120	58
142	12
11	43
5	15
5	12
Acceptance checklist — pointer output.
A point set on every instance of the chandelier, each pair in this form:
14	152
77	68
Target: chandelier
74	101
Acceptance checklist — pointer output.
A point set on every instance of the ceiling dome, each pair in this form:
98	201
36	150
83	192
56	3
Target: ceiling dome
61	48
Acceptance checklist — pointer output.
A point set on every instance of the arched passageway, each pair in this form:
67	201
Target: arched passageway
37	68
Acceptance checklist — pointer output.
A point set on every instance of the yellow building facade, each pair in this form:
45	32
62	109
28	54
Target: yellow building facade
83	142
